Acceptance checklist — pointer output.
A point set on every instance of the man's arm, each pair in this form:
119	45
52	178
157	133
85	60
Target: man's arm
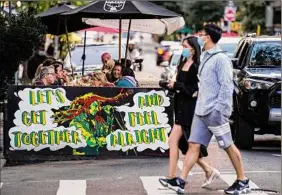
225	79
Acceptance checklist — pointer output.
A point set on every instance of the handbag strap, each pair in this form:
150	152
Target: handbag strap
208	60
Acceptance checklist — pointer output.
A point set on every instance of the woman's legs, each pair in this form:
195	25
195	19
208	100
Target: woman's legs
173	141
205	166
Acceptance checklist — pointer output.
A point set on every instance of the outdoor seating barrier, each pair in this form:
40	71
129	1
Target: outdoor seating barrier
46	123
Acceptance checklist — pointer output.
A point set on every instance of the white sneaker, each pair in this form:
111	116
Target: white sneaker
215	174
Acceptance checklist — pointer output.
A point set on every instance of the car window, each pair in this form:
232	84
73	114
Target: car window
266	54
239	48
93	54
175	59
243	52
228	47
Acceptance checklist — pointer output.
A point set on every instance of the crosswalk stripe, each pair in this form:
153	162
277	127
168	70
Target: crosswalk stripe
153	186
277	155
180	166
1	184
72	187
230	178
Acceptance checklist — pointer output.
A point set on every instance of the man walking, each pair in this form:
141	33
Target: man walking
213	109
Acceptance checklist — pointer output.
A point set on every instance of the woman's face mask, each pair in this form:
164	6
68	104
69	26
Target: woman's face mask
186	53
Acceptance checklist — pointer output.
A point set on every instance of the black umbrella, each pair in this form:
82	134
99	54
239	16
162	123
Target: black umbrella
121	10
58	24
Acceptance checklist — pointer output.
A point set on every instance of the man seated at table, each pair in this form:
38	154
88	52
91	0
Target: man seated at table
61	74
105	57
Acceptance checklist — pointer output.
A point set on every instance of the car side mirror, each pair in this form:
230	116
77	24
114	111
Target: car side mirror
235	63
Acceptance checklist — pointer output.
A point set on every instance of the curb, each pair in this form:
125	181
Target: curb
2	160
2	163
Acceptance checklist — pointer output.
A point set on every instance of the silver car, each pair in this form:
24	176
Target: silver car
93	54
171	70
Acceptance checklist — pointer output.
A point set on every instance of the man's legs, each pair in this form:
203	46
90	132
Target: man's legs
200	135
219	126
236	159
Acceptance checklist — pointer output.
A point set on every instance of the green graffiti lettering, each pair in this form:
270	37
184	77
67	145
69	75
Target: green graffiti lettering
113	140
51	137
141	102
147	119
154	118
17	139
25	139
144	137
40	97
129	139
26	118
120	139
131	117
42	138
48	94
34	139
140	119
75	137
138	136
32	98
60	96
42	117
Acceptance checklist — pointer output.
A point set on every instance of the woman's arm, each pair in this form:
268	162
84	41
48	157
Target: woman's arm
188	89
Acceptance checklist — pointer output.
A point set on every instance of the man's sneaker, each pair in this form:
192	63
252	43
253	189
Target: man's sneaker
178	186
214	175
239	187
166	181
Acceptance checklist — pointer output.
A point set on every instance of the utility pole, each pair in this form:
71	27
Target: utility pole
269	18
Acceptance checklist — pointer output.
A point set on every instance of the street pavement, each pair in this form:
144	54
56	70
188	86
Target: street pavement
150	75
139	175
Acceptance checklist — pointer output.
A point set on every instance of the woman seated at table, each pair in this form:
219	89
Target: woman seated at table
46	77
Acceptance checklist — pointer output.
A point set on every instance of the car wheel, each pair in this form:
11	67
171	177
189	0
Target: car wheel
242	132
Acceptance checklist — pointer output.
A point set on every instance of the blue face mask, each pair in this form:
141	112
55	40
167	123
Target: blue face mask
200	41
186	53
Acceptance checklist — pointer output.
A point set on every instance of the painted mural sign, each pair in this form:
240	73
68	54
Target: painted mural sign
87	121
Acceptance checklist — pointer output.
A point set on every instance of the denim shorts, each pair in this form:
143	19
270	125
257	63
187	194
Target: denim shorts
215	123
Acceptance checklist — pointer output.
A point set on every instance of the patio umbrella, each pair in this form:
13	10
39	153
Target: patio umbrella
122	14
102	29
58	24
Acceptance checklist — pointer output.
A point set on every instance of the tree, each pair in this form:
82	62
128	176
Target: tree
20	35
170	5
201	12
252	14
41	6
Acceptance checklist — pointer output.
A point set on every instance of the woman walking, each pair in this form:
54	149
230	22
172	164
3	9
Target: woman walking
185	88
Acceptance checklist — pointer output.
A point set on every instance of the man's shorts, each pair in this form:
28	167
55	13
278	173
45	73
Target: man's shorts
204	127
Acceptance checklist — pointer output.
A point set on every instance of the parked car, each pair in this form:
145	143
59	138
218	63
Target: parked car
93	54
170	71
229	44
165	51
257	95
